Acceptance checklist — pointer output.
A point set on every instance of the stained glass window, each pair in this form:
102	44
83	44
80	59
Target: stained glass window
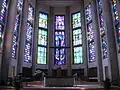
59	22
60	56
41	56
15	36
28	37
104	46
90	34
1	35
17	22
29	32
14	46
91	49
115	11
42	37
20	4
116	19
77	37
3	11
88	12
30	14
102	29
43	20
28	52
59	38
78	56
76	21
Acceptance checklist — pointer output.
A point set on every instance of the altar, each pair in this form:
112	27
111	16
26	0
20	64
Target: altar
59	81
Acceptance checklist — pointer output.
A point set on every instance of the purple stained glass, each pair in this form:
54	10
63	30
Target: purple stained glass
17	23
59	38
20	5
30	14
115	11
88	12
59	23
28	52
104	47
3	11
91	50
1	35
14	46
29	32
90	32
60	56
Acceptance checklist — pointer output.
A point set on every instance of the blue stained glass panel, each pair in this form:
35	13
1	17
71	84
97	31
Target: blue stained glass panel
60	23
59	39
78	55
29	32
30	14
17	23
43	20
3	11
77	37
90	32
20	4
28	52
91	50
88	12
60	56
14	46
41	58
115	11
1	35
76	20
104	47
42	37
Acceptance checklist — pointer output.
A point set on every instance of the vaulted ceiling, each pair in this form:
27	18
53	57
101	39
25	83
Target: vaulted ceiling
59	3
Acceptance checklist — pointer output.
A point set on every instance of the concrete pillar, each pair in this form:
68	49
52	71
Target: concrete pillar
34	40
50	41
68	40
97	42
112	61
6	58
84	35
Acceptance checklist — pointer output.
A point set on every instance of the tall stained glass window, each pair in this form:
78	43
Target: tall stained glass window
77	38
90	34
28	36
116	21
43	20
3	12
102	29
60	57
16	29
42	38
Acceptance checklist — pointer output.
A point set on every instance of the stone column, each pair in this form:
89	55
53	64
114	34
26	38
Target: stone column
22	37
50	53
84	39
34	40
6	58
68	40
112	51
97	42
